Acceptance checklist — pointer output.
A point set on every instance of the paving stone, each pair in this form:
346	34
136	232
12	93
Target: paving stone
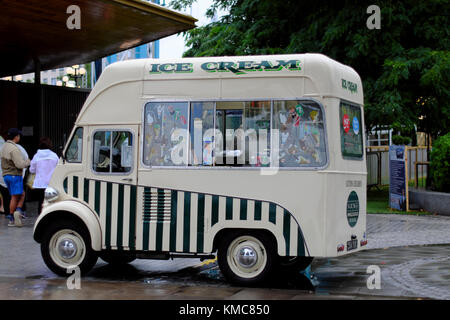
396	230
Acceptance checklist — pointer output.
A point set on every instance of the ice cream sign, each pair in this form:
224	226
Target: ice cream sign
348	85
235	67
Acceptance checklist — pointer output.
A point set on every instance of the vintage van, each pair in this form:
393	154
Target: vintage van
259	159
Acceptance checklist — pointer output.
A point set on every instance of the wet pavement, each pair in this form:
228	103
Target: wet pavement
412	253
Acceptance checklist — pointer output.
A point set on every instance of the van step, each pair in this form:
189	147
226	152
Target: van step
167	256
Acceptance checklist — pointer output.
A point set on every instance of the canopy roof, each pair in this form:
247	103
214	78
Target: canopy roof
36	30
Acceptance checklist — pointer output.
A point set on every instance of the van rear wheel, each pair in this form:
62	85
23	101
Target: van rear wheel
246	257
65	245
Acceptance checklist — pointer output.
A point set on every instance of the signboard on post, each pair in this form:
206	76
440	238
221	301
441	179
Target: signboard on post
397	178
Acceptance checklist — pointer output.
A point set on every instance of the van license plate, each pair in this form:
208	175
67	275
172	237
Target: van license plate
352	244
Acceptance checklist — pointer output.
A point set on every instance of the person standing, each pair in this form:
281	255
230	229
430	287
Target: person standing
43	164
2	182
13	163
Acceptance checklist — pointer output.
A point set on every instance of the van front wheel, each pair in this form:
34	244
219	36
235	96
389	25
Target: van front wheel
246	258
66	245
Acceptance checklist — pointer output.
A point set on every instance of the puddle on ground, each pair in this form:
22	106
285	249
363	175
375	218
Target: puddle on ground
204	275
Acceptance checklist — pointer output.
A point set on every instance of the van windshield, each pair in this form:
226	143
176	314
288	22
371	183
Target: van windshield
73	153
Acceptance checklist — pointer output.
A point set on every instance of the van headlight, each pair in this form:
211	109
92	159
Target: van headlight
51	194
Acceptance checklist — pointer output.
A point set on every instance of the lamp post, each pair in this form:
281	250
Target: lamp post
76	72
64	82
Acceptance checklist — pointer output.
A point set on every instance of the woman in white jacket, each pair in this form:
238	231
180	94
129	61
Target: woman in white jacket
43	164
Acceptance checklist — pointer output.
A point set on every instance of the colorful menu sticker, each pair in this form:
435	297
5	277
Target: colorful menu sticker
355	124
346	123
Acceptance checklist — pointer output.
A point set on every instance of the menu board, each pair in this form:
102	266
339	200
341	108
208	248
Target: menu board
397	177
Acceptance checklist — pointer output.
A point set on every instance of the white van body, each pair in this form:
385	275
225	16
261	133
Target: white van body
311	210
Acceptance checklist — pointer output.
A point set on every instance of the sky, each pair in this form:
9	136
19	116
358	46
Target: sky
173	46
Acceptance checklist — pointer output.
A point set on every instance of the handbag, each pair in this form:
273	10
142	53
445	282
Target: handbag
29	179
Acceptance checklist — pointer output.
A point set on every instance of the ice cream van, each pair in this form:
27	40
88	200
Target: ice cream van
256	160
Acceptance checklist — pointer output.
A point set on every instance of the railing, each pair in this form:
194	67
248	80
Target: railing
378	165
422	164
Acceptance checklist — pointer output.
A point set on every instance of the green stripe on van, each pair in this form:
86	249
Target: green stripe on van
300	244
187	221
108	215
200	222
65	185
86	190
257	210
132	238
75	187
287	229
272	213
173	221
120	216
160	222
229	209
243	210
146	227
215	210
97	197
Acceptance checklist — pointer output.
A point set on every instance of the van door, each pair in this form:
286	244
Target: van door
111	174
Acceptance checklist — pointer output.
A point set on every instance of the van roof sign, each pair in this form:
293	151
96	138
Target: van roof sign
237	67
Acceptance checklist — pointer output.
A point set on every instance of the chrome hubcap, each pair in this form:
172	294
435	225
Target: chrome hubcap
247	257
67	249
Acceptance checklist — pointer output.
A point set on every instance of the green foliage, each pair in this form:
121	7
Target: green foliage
405	65
400	140
440	163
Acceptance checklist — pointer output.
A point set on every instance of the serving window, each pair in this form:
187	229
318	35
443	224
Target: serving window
301	133
243	133
276	133
165	133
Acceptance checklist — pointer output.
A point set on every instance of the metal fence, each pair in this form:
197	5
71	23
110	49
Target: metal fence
60	109
378	164
40	110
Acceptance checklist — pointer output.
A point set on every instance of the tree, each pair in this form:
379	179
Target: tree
404	65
